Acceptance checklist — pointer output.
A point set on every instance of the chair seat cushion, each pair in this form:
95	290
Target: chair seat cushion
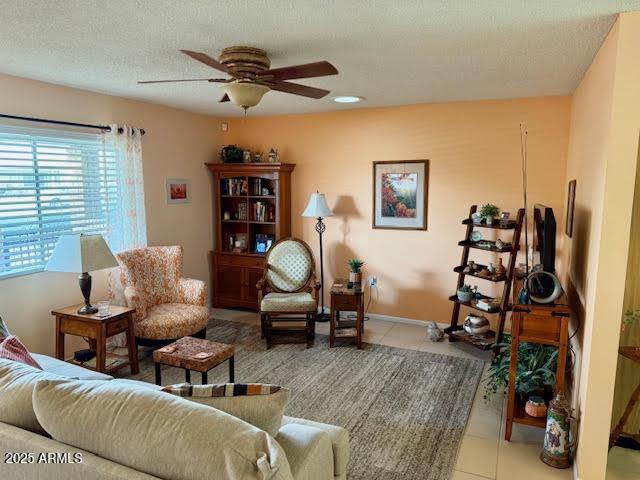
288	302
172	320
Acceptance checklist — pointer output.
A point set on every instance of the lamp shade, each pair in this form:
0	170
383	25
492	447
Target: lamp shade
80	253
317	207
245	94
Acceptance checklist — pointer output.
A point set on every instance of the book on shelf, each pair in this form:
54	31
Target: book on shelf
242	211
234	186
263	212
261	187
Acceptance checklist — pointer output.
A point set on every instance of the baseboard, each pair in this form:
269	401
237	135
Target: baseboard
410	321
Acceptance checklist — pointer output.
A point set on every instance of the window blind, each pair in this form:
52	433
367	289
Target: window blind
51	183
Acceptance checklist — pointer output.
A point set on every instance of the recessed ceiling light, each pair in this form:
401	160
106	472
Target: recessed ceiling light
347	99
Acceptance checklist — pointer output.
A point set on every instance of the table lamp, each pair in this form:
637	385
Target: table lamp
318	208
81	254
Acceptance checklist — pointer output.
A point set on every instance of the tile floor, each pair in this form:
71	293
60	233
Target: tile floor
483	454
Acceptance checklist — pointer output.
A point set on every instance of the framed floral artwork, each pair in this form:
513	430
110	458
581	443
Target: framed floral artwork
178	191
400	194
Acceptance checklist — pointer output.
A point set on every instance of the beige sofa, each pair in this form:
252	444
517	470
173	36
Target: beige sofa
313	451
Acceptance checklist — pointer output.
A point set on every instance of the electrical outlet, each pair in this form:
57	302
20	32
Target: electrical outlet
373	281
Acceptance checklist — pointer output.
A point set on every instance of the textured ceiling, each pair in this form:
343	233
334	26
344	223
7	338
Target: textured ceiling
390	52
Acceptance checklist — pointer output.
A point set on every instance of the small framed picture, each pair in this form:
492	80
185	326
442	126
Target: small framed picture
571	205
178	191
400	194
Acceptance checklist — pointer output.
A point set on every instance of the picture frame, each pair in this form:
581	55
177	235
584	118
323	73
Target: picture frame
178	191
400	194
571	204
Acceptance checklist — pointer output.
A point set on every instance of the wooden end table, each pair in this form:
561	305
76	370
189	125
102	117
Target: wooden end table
183	357
97	329
348	299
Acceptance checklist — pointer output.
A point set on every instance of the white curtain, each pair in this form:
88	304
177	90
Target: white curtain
127	225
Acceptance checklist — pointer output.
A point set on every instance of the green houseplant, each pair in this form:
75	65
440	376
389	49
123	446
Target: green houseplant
489	212
465	293
536	372
355	267
231	154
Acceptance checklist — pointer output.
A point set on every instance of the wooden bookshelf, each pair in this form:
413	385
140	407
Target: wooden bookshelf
252	201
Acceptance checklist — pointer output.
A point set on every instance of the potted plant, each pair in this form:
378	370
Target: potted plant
535	375
231	154
355	275
465	293
489	212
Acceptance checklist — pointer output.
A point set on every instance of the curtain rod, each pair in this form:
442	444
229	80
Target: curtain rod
105	128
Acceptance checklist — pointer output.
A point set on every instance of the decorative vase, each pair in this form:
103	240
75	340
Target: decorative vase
499	267
535	407
476	324
488	220
476	218
557	446
434	332
464	296
355	277
246	156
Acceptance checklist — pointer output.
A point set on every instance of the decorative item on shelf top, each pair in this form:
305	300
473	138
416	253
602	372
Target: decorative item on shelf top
543	287
488	304
499	244
465	293
231	154
489	212
476	324
476	218
500	270
556	450
273	156
355	275
257	158
246	156
476	236
535	407
434	332
504	219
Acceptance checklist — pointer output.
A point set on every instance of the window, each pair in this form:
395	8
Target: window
51	183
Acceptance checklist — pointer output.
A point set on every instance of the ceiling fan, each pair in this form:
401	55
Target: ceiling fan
252	77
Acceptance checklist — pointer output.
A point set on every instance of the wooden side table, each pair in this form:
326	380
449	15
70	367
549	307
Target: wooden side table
97	329
349	299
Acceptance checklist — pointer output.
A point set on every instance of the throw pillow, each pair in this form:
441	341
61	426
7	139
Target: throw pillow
261	405
11	348
4	330
156	433
17	381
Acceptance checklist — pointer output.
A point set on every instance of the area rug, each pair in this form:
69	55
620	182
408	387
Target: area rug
405	410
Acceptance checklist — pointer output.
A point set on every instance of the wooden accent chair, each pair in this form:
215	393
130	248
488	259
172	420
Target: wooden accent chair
288	292
167	305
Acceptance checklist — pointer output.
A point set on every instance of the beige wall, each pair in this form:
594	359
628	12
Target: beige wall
474	153
605	122
177	144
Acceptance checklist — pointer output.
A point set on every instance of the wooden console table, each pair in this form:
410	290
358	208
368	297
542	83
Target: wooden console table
544	324
349	299
97	329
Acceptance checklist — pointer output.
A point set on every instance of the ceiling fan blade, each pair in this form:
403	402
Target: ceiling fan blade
225	98
297	89
186	80
308	70
206	59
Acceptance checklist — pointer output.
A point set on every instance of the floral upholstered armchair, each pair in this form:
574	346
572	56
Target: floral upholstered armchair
167	305
288	291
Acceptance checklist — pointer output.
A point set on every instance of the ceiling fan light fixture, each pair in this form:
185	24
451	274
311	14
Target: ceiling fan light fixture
245	94
348	99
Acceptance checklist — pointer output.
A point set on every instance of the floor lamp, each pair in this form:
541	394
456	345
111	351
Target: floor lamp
317	208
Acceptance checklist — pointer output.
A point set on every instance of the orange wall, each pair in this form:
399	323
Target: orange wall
603	148
474	153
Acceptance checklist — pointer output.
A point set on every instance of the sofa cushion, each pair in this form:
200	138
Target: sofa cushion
11	348
172	320
309	452
66	369
261	405
339	440
17	382
156	433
